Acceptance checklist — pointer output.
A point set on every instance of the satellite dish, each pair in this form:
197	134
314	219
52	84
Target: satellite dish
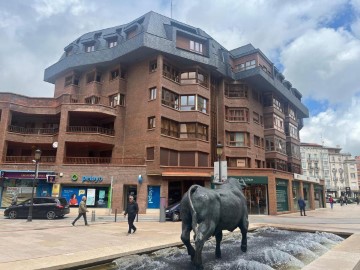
55	144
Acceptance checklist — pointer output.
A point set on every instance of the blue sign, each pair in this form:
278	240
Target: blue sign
92	179
154	197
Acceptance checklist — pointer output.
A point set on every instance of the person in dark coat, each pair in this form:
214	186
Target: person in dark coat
302	206
82	211
132	210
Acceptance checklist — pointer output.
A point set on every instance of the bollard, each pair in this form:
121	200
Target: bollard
115	214
162	209
92	215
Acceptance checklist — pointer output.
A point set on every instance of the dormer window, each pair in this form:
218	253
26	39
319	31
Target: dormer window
89	48
112	42
196	47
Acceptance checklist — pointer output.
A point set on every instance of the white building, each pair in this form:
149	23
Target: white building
338	169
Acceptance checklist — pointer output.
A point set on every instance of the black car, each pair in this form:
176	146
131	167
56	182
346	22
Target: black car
172	212
43	207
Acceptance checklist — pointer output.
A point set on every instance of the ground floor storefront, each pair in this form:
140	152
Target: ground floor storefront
267	192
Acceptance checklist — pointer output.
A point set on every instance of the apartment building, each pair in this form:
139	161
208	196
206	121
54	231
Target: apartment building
338	169
140	109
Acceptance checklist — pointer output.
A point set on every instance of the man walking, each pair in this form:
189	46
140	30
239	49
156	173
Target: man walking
132	210
302	206
82	211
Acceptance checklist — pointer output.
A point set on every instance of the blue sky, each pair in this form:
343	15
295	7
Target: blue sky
314	43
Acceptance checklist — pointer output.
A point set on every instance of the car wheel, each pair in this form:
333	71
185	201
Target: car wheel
50	215
175	216
12	214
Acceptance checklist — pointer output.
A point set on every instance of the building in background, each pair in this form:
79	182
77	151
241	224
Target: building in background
140	109
338	169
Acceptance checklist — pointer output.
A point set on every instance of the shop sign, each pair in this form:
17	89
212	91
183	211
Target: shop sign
92	179
23	175
306	178
252	179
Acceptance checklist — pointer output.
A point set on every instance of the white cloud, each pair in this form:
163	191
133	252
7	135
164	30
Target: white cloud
324	64
48	8
335	127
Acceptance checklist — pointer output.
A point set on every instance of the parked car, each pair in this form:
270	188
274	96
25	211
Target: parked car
43	207
172	212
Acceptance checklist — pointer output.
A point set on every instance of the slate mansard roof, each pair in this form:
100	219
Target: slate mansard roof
157	33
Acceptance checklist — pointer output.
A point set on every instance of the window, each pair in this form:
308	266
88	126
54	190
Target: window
122	74
117	99
153	66
193	77
237	114
112	42
236	90
89	48
74	80
196	46
278	105
151	122
194	131
169	127
245	66
171	72
257	141
93	76
278	123
187	103
203	159
150	153
239	139
292	114
202	104
292	131
114	74
168	157
273	143
92	100
256	96
170	99
152	93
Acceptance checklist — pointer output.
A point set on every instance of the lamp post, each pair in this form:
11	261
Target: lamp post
37	159
219	151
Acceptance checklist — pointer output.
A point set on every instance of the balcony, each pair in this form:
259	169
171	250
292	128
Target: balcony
29	159
90	129
104	160
33	131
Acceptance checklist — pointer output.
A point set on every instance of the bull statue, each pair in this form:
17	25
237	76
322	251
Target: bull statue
210	211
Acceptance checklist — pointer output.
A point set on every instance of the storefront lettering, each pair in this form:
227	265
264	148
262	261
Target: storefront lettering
95	179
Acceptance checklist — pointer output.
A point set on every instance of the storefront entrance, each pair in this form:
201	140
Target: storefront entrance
176	189
129	190
282	196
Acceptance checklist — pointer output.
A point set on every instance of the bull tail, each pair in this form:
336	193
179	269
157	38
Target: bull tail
192	189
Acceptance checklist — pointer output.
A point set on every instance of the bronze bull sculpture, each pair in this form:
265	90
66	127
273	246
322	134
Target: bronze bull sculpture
208	212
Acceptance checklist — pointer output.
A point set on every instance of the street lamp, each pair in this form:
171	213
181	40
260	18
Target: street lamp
219	151
37	159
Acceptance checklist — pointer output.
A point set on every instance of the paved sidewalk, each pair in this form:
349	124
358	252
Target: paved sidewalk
55	244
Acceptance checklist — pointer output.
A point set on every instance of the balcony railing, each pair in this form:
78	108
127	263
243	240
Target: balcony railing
104	160
87	129
38	131
29	159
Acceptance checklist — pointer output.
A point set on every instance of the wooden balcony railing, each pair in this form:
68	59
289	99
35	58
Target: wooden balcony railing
29	159
38	131
87	129
104	160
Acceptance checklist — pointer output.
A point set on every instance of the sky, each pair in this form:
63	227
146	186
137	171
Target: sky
315	44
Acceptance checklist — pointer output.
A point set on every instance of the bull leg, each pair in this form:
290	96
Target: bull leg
218	237
244	225
185	238
204	232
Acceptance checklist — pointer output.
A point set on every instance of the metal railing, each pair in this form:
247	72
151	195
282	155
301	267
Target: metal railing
90	129
39	131
29	159
104	160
